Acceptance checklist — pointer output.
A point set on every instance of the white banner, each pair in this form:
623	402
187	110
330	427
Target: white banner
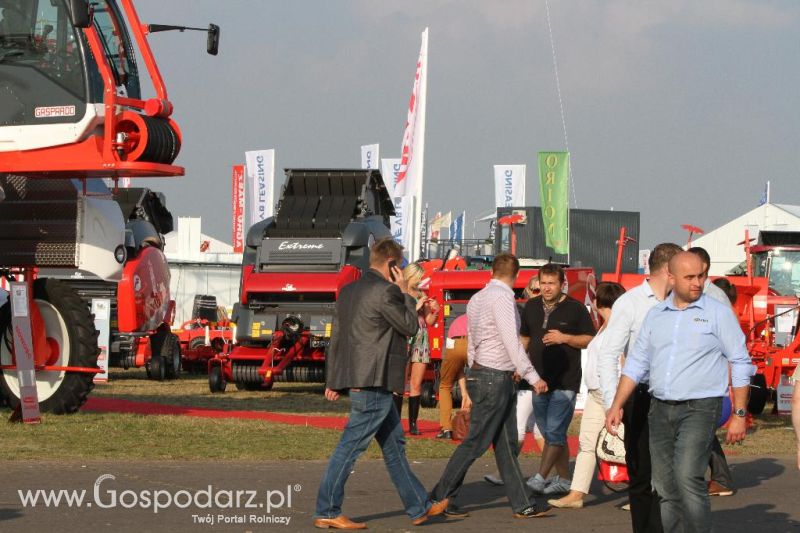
101	309
370	155
260	169
390	168
401	228
409	179
509	185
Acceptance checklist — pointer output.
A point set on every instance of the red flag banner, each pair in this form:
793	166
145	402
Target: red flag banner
238	209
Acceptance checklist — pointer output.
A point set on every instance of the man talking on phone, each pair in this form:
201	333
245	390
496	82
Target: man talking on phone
367	357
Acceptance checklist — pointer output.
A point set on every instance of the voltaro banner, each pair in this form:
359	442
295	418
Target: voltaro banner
370	156
553	189
260	167
237	196
509	185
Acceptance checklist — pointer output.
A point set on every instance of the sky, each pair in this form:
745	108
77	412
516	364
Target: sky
678	109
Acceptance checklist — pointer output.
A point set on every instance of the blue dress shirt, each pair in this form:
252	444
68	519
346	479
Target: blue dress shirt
685	352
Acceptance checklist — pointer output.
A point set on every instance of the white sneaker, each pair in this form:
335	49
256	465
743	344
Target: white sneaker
494	480
557	485
537	483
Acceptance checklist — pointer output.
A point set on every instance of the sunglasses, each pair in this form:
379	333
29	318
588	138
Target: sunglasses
534	290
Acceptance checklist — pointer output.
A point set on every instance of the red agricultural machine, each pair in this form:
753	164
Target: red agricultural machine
71	110
296	263
141	310
208	333
294	266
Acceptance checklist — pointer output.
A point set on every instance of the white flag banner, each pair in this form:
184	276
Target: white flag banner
409	179
260	169
509	185
390	168
370	155
401	222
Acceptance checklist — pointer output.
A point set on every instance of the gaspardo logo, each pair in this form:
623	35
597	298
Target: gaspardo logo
261	506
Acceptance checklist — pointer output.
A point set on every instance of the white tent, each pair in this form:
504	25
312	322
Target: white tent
723	245
200	264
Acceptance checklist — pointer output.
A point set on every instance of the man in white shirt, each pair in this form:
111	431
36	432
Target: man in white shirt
627	316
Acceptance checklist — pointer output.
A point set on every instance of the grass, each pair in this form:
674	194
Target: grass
134	437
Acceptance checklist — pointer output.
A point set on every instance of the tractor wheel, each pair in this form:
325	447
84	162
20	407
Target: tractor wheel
68	325
157	368
428	396
758	394
171	352
216	380
197	342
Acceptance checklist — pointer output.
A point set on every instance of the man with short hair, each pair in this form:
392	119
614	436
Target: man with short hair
685	346
494	354
555	328
367	356
627	316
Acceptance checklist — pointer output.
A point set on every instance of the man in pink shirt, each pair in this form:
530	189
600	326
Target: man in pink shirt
494	354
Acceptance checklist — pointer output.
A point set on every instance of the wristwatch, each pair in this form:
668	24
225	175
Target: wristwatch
740	412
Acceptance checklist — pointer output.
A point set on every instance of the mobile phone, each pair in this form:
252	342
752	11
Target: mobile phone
392	266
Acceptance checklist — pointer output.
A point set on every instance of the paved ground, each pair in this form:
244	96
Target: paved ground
766	502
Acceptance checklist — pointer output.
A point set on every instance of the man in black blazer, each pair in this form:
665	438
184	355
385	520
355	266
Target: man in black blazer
367	356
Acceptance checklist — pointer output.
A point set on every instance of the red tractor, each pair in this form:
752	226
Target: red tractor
71	110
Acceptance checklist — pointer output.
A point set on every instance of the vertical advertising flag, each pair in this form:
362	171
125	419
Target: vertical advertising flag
553	191
390	168
237	196
401	231
435	226
457	229
509	185
409	179
370	156
260	170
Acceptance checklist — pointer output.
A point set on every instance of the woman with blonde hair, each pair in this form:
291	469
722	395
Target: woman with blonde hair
419	346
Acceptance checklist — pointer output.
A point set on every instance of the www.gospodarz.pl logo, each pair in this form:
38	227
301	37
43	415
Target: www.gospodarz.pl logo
105	495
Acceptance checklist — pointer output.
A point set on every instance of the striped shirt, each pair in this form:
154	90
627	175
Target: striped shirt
493	339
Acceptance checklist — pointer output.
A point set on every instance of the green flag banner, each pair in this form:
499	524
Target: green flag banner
553	190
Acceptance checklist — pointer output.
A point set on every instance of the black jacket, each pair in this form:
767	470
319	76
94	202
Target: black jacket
369	343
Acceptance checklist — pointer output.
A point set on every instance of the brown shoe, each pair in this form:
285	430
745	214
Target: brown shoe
436	509
715	489
340	522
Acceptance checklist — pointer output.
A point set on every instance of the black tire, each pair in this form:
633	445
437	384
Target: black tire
428	396
157	368
63	392
759	394
216	380
171	352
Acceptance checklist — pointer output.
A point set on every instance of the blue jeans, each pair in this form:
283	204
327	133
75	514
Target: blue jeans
554	411
372	414
681	435
493	420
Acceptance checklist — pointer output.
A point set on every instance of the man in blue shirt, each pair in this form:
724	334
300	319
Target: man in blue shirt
683	349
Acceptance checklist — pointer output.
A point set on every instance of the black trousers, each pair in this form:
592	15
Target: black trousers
645	511
720	472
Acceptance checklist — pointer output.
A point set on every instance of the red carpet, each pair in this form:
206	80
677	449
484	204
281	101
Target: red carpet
113	405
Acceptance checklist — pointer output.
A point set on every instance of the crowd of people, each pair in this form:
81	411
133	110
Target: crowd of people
663	357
